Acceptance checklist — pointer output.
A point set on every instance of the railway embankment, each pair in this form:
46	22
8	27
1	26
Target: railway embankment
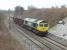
59	32
7	42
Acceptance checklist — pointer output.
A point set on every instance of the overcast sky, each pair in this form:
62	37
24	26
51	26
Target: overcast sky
10	4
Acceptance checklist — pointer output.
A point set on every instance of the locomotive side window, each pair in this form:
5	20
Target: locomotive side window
25	22
34	24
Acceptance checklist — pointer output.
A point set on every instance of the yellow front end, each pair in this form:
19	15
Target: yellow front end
42	29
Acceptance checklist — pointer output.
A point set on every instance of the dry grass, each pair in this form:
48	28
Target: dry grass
7	42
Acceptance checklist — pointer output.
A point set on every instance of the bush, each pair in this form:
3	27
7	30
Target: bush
1	18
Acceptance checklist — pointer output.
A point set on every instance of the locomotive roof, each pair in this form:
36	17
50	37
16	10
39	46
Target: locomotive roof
30	19
33	20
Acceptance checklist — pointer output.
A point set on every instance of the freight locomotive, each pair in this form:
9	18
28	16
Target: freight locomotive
39	27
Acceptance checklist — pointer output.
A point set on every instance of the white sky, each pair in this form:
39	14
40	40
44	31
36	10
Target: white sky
6	4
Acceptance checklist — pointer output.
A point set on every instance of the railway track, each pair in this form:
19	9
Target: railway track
58	39
49	43
53	45
39	44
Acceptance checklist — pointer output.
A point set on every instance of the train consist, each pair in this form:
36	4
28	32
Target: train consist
39	27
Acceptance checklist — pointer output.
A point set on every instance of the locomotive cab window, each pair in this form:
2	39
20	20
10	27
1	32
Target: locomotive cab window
41	25
45	25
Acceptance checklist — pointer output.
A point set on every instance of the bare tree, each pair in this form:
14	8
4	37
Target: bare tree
52	7
18	11
63	6
31	7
